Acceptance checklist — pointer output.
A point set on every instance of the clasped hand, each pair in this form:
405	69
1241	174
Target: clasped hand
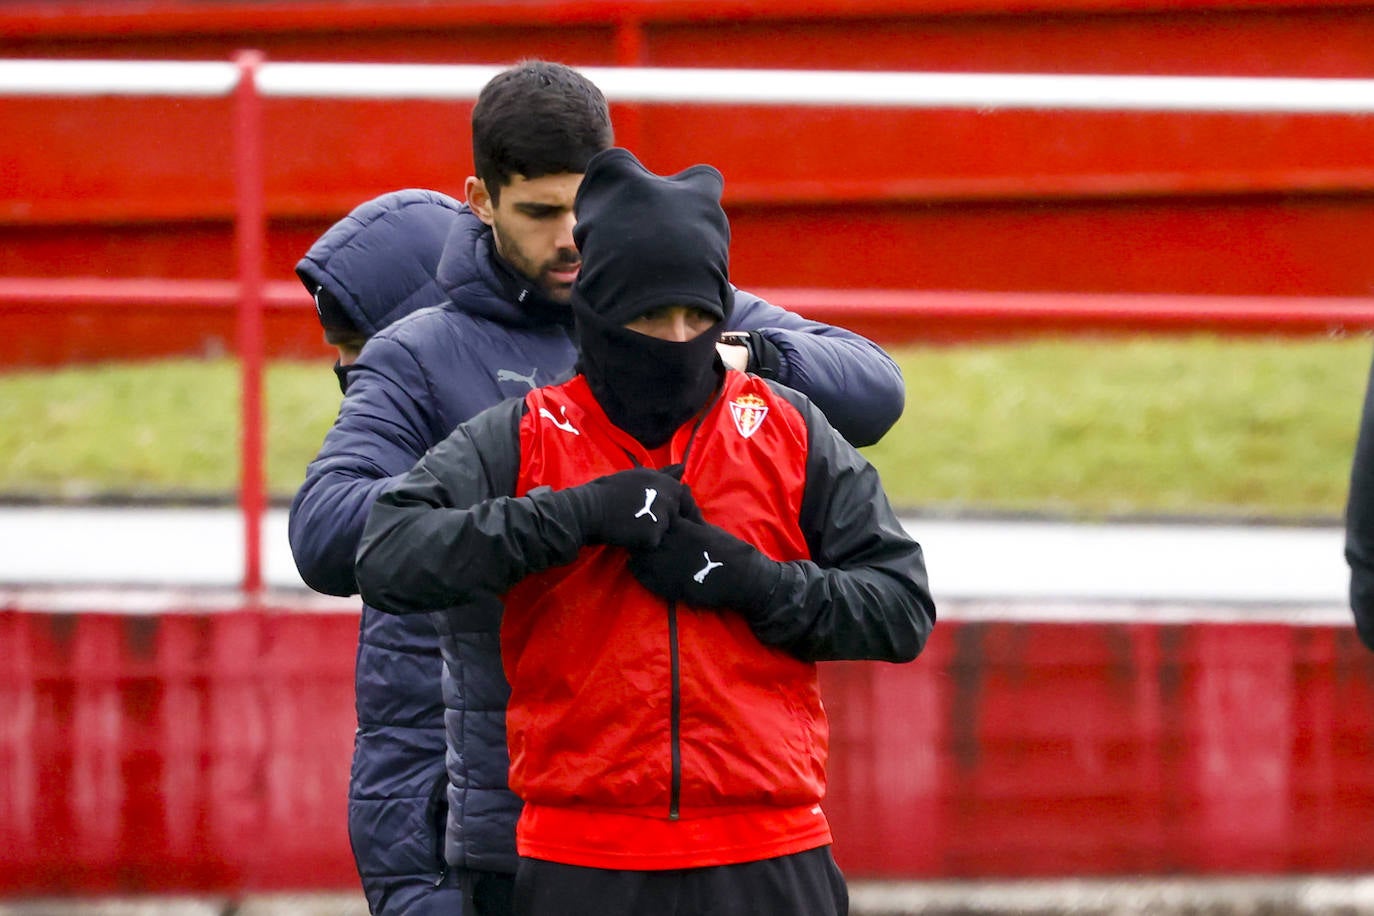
674	552
631	508
703	564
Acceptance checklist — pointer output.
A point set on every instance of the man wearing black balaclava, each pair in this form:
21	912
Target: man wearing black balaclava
649	243
660	628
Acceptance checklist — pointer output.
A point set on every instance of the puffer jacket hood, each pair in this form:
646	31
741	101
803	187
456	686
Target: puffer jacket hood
380	262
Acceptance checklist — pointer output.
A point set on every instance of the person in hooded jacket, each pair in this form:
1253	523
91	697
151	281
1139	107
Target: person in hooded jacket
507	269
377	264
661	628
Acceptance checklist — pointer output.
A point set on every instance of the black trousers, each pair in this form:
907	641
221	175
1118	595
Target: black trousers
805	884
491	893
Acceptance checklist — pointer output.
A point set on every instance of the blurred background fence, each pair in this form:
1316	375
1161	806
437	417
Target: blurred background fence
927	171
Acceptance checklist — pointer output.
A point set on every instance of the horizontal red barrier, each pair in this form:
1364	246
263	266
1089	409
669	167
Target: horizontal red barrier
209	751
1307	313
57	321
911	316
21	293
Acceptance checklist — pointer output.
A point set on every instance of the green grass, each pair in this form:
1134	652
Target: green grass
1148	426
158	428
1088	428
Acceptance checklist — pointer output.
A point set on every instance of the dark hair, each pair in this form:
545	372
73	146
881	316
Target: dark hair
535	119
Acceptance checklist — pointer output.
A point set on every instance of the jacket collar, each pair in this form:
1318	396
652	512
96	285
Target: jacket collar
476	277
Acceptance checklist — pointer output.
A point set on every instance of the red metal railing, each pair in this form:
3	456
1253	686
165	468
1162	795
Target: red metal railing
251	235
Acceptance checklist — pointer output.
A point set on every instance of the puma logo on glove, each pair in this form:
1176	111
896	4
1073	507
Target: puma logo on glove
630	508
649	494
736	574
700	575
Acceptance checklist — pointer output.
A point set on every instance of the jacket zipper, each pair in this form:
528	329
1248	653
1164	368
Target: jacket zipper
675	714
675	666
674	663
437	812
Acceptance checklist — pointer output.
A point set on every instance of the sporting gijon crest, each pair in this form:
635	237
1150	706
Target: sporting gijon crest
748	411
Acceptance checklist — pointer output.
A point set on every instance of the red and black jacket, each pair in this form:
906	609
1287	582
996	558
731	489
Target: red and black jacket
644	734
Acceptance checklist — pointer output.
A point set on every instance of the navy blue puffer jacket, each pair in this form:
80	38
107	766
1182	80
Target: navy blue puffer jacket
415	381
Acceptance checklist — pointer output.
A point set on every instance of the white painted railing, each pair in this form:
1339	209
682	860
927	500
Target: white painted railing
983	91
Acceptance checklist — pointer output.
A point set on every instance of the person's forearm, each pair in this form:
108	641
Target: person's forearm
417	555
379	435
882	612
450	533
853	381
864	593
325	525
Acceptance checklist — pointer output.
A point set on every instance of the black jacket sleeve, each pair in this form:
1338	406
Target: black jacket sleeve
451	533
1359	522
864	592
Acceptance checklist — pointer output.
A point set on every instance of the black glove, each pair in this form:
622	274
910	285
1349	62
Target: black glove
628	508
701	564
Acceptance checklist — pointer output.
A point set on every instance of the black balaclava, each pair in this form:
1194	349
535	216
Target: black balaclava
333	317
648	241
